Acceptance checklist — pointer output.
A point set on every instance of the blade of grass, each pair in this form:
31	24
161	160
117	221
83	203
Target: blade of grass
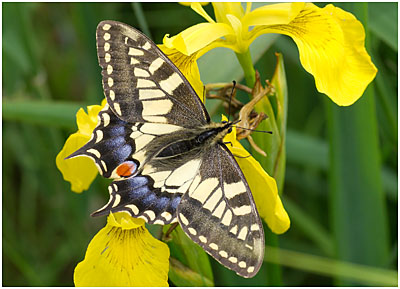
357	203
365	275
139	13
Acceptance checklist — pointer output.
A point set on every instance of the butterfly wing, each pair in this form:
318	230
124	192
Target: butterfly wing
140	83
219	214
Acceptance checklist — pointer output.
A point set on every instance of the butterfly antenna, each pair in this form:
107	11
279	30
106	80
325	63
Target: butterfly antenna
265	131
230	99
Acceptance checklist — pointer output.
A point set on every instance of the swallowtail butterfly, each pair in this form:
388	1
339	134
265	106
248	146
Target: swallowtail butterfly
168	163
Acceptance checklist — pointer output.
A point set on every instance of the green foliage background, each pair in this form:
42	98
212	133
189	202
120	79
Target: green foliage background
344	228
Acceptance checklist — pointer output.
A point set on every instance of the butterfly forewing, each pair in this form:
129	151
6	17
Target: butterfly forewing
140	82
219	214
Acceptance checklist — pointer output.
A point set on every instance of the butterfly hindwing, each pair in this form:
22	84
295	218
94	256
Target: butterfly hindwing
219	214
154	194
140	83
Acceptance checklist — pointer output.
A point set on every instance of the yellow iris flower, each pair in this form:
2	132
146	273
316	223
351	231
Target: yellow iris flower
330	41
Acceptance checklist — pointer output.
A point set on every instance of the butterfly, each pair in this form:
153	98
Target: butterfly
167	160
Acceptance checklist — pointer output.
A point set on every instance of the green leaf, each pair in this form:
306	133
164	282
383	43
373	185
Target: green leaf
383	22
60	114
189	255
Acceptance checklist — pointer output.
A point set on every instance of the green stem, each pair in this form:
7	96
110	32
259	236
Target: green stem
248	68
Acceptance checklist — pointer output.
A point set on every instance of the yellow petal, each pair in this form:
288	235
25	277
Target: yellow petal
198	8
79	171
87	122
274	14
221	9
262	186
197	37
123	257
331	47
188	66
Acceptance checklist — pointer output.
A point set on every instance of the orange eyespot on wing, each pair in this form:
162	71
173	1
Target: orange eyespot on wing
126	169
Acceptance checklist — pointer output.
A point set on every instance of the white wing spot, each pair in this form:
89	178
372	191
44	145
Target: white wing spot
255	227
134	61
223	254
227	218
243	210
214	246
242	264
134	209
234	189
109	69
126	40
156	107
233	260
147	46
220	210
99	135
158	129
158	222
166	215
203	239
135	52
103	164
106	46
145	83
106	26
140	72
151	214
155	65
106	119
250	269
192	231
117	108
107	57
95	152
171	83
110	82
112	94
234	230
243	233
107	36
150	93
183	219
117	200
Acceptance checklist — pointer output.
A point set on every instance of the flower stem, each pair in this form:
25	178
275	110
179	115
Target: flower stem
248	68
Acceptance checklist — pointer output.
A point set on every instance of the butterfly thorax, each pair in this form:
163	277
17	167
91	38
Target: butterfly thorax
206	136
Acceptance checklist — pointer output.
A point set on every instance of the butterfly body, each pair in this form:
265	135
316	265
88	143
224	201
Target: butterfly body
168	162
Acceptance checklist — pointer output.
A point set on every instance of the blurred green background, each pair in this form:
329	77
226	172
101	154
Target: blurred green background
340	188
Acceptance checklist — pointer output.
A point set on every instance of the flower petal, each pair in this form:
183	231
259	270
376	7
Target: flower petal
262	186
123	257
196	37
221	9
331	47
273	14
80	171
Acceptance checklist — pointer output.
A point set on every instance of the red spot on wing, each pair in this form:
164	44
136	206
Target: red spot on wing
126	169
